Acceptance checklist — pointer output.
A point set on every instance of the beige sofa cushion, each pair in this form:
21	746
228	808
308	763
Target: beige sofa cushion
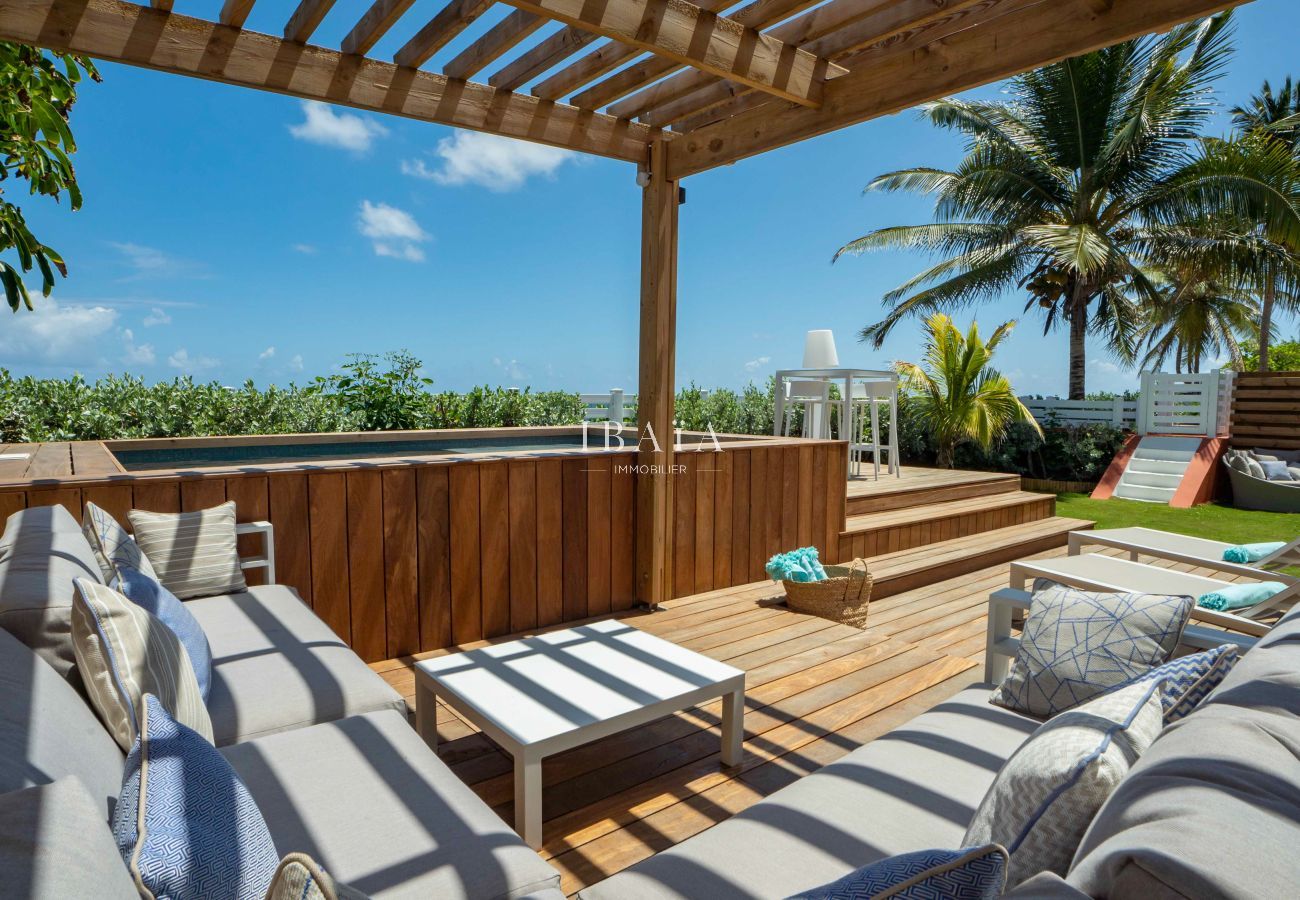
371	802
124	653
41	552
268	636
195	554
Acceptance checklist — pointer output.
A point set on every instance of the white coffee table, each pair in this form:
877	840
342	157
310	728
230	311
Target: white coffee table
542	695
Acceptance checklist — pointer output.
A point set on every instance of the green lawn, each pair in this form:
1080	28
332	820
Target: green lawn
1219	523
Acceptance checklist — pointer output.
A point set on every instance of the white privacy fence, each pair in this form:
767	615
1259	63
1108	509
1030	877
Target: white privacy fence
1119	412
1198	404
615	406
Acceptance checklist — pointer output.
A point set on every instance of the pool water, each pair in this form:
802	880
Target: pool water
235	454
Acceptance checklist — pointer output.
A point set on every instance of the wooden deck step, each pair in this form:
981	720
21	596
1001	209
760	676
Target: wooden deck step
907	570
902	529
921	486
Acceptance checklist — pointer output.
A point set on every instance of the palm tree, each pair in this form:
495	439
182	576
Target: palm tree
1054	193
956	393
1197	317
1276	114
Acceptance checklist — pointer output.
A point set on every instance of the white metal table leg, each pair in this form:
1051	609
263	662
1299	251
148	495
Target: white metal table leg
528	799
733	727
778	414
875	439
426	712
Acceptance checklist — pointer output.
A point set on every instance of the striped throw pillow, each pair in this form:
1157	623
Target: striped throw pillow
193	553
112	545
124	653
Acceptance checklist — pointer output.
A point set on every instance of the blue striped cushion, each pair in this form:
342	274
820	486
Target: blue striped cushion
185	825
976	873
1188	680
145	592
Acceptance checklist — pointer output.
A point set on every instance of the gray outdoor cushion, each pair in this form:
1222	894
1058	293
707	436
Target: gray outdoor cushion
1291	456
43	550
915	788
55	844
370	802
1213	807
47	731
277	666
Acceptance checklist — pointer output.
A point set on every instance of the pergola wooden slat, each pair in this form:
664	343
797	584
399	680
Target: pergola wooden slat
735	87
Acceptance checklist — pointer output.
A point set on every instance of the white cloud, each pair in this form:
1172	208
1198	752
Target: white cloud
306	249
1103	365
510	368
157	316
57	335
497	163
150	262
267	353
755	364
295	364
136	354
182	360
346	131
393	232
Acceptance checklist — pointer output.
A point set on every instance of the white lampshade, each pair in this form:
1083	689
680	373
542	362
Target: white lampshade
819	350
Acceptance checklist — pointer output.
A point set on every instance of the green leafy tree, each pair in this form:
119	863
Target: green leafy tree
37	91
1283	357
1058	193
956	393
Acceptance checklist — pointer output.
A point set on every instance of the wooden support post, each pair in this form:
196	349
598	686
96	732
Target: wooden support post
654	494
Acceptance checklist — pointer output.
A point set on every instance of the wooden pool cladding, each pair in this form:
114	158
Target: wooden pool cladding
402	556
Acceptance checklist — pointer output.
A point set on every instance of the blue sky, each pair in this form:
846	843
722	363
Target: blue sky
233	234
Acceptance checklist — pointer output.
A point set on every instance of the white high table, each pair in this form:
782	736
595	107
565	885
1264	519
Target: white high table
844	379
541	695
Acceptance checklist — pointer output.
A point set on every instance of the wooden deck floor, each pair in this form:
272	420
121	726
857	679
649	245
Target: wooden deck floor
815	691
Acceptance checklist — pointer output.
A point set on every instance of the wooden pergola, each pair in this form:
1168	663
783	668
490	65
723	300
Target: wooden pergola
675	87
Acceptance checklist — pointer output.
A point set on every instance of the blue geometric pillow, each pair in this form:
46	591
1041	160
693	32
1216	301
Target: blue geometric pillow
185	824
976	873
145	591
1188	680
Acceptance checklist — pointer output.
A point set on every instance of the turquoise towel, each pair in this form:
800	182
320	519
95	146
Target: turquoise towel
796	565
1249	553
1238	596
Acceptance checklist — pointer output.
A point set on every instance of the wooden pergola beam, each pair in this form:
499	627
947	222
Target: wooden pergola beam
489	48
695	37
372	26
235	12
140	36
306	19
1023	38
441	30
542	56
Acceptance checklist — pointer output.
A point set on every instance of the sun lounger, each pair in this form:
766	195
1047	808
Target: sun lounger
1184	548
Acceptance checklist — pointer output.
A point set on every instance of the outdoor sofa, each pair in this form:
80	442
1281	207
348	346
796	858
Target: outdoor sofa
321	741
1252	490
1212	809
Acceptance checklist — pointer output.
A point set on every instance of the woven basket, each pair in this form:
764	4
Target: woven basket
842	597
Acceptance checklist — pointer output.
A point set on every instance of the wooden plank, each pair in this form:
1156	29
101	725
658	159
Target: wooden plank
507	33
575	539
10	503
252	504
68	497
599	540
306	19
757	524
433	540
683	534
401	562
793	501
115	499
202	494
327	504
622	540
494	539
376	22
550	542
49	460
776	501
1026	36
722	515
235	12
605	58
289	513
158	496
127	33
741	569
704	515
466	575
693	36
523	545
91	458
443	28
543	55
366	563
804	523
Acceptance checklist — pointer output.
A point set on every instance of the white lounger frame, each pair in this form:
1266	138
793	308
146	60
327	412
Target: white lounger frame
267	558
